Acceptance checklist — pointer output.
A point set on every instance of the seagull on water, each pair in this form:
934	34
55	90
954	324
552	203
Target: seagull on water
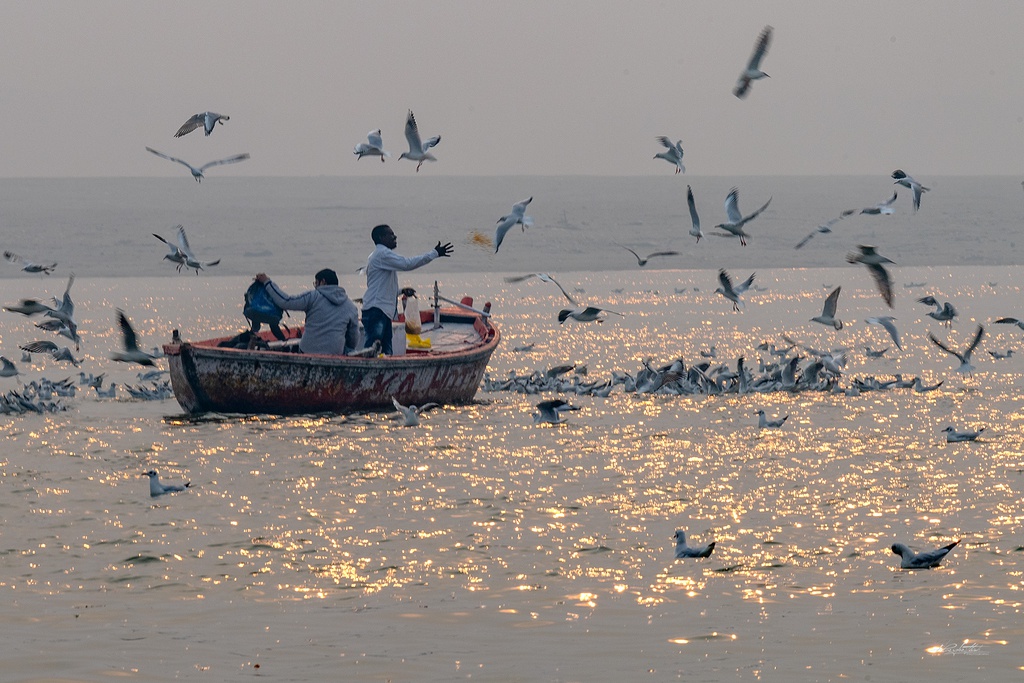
158	489
207	120
673	153
824	228
508	221
411	414
925	560
873	353
873	260
131	352
418	150
694	218
28	266
373	147
734	227
764	423
920	388
684	550
550	411
642	260
911	184
731	292
197	173
886	321
882	208
965	358
954	436
753	71
828	311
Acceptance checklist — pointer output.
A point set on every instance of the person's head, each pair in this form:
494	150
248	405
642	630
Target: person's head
383	234
325	277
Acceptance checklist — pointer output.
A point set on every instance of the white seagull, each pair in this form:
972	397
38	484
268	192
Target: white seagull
828	311
731	292
158	489
508	221
954	436
585	314
734	227
175	255
965	358
883	208
873	260
684	550
417	149
753	71
373	147
694	218
824	228
197	173
673	153
131	353
190	258
207	120
911	184
886	321
943	313
764	423
925	560
411	414
28	266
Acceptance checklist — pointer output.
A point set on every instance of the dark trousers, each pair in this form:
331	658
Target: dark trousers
377	327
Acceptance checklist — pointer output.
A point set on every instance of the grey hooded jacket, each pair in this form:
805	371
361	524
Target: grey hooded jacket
332	320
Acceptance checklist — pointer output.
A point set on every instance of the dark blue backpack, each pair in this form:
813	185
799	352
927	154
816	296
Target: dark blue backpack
259	307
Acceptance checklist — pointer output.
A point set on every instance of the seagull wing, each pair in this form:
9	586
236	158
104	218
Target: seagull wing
666	142
694	218
183	245
375	139
732	208
974	343
638	259
829	310
723	277
805	240
412	134
662	253
519	208
944	347
883	280
12	257
230	160
1007	321
548	278
760	49
432	142
39	347
758	212
127	333
505	223
745	285
174	159
190	125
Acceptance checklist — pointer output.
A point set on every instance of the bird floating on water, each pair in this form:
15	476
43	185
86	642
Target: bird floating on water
197	173
764	423
954	436
673	153
753	71
685	550
158	489
418	150
925	560
373	147
206	119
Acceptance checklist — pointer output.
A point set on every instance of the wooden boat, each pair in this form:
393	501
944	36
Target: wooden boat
208	377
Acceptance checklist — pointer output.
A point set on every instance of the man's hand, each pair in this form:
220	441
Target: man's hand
444	249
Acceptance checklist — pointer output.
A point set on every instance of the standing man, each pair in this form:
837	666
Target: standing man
380	303
332	320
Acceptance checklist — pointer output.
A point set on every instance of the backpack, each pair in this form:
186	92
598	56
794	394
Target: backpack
259	307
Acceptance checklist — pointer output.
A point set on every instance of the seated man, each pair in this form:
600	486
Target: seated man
332	320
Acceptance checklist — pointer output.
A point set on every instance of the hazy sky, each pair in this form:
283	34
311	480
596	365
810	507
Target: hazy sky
513	87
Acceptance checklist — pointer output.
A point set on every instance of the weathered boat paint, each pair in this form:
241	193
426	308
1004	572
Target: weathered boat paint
206	377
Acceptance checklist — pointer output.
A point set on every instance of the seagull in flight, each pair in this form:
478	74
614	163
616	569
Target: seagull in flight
874	261
508	221
61	353
824	228
9	369
207	120
197	173
551	411
1000	321
418	150
673	153
28	266
30	307
886	321
734	227
190	258
965	358
926	560
175	255
684	550
883	208
131	352
158	489
694	218
914	186
828	311
753	71
373	147
642	260
730	292
543	277
411	414
943	313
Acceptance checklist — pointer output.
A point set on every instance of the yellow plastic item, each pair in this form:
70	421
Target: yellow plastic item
414	341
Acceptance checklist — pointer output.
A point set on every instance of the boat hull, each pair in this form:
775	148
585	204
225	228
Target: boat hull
207	378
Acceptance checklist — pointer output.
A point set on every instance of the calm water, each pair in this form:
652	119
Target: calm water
481	546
